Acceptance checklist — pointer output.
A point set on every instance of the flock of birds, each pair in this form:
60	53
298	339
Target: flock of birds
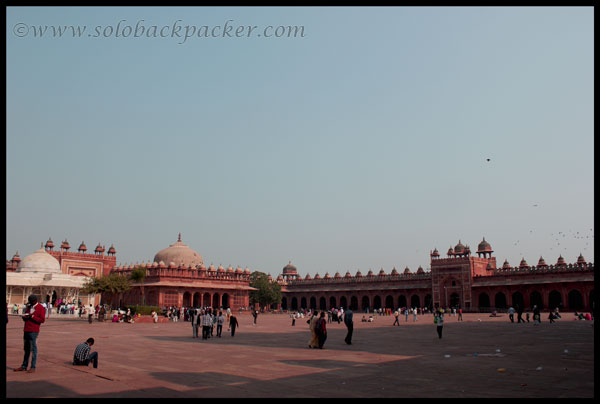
564	237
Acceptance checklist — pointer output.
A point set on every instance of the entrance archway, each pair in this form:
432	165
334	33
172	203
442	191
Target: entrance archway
575	300
365	303
554	300
500	301
535	299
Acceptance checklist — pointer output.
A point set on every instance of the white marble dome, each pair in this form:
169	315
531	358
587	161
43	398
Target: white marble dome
179	253
39	261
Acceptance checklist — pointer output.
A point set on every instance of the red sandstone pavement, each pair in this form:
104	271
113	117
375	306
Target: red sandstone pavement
271	359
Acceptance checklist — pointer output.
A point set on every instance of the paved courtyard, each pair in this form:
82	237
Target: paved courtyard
272	359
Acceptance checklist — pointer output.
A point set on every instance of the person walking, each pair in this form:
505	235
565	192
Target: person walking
396	315
90	311
438	319
233	323
349	323
511	314
460	314
255	315
321	328
206	320
414	315
406	313
314	339
194	318
220	321
34	315
520	314
82	355
293	319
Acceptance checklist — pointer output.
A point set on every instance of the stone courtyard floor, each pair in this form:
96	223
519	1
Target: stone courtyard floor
272	359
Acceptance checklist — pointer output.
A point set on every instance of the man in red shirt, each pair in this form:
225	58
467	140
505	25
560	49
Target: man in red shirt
34	315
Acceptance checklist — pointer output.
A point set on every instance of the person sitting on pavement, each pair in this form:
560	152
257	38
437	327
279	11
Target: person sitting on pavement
83	356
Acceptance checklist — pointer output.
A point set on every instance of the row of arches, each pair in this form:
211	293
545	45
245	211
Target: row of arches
199	299
352	302
574	302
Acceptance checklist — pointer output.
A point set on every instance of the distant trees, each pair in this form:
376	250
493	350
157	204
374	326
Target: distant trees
267	292
139	275
113	283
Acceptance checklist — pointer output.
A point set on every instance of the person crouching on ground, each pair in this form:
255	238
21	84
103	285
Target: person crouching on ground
83	356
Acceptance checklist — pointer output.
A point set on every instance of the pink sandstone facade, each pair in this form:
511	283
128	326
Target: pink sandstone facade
460	280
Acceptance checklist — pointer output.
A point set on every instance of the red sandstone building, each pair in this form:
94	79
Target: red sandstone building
473	283
178	277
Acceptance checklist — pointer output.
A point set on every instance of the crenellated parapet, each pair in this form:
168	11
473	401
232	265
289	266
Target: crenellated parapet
182	273
539	269
360	279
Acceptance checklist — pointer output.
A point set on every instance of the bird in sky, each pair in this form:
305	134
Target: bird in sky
487	159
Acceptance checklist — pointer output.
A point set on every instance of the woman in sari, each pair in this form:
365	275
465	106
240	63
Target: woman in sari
314	340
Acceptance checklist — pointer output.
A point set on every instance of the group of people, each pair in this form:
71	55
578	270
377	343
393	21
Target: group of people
208	318
318	327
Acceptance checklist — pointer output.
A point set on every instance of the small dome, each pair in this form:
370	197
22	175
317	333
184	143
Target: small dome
82	247
348	275
220	269
450	251
172	265
541	263
327	276
162	264
506	265
247	271
39	261
358	274
289	269
148	265
435	253
239	270
279	277
523	264
211	268
201	267
406	270
16	257
307	277
580	259
155	264
420	270
49	243
484	246
65	245
317	276
337	275
112	250
459	248
381	272
561	261
370	273
99	248
230	269
394	272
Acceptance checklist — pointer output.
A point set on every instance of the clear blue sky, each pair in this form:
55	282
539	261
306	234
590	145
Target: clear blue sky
361	145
